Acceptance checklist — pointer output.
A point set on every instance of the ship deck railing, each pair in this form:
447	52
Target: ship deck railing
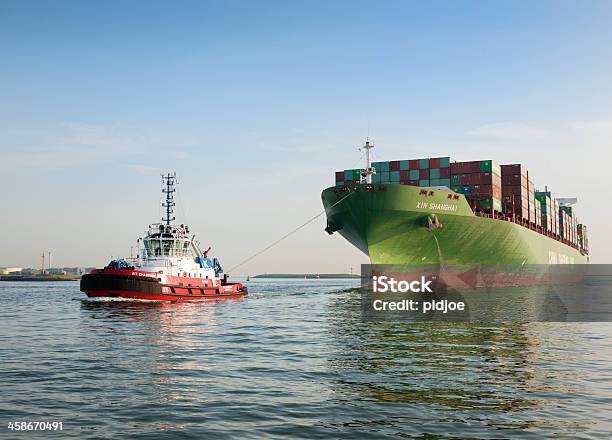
159	261
529	225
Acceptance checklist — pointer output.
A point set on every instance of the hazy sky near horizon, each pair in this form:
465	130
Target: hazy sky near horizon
256	103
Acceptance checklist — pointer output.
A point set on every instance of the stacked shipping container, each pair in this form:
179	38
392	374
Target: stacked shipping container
556	218
570	224
347	177
531	190
480	182
418	172
486	186
538	214
519	194
515	190
583	239
550	211
564	223
545	210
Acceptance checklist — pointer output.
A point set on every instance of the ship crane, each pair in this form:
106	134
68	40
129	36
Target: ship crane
567	201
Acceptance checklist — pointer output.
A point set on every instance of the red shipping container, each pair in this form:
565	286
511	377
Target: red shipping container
487	178
394	165
444	173
514	190
465	179
476	179
508	191
515	168
514	179
434	163
465	167
404	175
339	176
531	187
483	189
515	207
424	174
414	182
413	164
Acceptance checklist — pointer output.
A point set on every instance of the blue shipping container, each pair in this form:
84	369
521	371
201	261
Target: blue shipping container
381	167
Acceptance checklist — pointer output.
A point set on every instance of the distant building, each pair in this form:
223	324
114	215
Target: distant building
10	270
29	271
55	271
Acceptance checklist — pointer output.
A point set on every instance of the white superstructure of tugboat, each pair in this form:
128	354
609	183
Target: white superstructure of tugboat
170	266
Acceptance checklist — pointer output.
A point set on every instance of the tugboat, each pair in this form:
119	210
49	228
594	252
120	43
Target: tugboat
169	266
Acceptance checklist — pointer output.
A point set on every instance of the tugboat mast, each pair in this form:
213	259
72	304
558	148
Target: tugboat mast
169	180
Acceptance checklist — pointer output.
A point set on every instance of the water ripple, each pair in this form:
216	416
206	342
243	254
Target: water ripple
292	360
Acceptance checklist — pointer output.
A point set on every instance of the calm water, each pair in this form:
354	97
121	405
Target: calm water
292	360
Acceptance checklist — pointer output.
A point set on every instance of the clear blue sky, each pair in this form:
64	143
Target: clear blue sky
255	104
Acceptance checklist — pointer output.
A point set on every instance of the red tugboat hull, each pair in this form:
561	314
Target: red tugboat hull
130	284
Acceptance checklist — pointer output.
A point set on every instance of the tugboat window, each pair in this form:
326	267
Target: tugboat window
153	247
167	246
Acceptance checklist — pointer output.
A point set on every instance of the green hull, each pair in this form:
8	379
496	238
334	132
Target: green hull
391	227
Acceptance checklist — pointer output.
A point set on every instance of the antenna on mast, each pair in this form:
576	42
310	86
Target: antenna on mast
169	180
369	170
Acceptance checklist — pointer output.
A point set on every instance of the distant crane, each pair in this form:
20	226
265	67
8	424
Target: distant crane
567	201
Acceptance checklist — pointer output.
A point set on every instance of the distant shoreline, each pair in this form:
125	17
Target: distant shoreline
39	278
308	276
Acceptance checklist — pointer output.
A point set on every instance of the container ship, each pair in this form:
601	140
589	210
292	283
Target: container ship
446	212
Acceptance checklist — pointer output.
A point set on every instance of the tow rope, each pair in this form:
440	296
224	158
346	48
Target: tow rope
288	234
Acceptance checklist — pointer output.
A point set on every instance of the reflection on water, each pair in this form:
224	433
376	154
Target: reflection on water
501	376
294	359
169	332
